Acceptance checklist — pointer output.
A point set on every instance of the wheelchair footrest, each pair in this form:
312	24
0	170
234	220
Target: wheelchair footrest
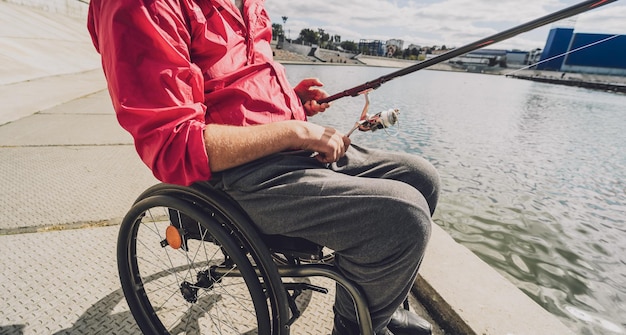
299	287
296	289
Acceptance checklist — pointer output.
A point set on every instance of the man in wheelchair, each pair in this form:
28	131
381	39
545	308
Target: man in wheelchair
195	84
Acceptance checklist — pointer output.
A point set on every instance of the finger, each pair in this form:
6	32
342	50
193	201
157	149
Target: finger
311	107
320	107
346	142
322	159
306	84
314	106
311	82
308	108
340	145
318	94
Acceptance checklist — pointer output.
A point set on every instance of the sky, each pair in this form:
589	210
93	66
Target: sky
452	23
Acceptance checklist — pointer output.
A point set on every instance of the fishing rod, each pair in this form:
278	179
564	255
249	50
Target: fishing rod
542	21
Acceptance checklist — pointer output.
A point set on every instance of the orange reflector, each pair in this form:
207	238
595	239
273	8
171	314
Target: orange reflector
172	235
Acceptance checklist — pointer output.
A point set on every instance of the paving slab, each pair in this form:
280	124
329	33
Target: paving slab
28	97
98	102
61	282
73	128
44	186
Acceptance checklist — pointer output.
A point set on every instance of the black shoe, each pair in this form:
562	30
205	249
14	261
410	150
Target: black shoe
404	322
343	326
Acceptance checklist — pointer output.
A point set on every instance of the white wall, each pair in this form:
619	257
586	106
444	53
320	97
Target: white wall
73	8
37	43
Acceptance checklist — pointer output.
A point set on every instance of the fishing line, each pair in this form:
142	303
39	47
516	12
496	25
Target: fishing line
390	117
564	54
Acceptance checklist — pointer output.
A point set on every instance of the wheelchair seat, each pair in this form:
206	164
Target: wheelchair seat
295	247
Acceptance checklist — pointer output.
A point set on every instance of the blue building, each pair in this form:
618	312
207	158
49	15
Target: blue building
607	57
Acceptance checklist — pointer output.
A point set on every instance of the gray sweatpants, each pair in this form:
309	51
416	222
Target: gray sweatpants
372	207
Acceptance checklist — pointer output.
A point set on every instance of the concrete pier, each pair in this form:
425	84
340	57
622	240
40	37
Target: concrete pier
594	82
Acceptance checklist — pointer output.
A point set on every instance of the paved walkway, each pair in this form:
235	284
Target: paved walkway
69	173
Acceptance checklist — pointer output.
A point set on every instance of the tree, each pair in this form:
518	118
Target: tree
277	31
411	54
397	53
308	36
406	53
324	37
349	46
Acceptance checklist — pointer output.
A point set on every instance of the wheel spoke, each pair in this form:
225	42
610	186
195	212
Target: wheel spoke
175	290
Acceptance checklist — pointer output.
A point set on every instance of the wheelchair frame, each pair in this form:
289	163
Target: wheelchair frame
224	223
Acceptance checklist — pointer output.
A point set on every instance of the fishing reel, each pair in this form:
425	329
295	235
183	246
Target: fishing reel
381	120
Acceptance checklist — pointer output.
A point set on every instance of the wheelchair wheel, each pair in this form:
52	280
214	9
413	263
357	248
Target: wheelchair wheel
194	278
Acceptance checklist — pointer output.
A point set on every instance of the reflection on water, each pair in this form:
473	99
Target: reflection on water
534	177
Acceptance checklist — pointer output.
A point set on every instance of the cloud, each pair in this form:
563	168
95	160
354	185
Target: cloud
435	22
610	20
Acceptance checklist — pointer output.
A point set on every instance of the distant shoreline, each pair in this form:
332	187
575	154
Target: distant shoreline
615	84
601	83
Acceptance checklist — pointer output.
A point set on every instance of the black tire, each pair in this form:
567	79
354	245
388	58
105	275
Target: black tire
175	291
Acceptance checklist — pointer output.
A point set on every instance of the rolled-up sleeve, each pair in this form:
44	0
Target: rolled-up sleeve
157	92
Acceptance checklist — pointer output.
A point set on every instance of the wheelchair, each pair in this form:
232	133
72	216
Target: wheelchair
191	261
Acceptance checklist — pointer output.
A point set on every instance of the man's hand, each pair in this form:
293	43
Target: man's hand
229	146
329	144
308	92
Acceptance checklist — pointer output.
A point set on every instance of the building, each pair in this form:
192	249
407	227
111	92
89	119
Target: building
534	56
372	47
568	51
517	58
392	46
414	46
480	60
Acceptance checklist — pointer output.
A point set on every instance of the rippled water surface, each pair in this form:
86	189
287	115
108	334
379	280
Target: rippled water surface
534	177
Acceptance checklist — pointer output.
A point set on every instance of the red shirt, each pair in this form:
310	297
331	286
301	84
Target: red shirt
173	66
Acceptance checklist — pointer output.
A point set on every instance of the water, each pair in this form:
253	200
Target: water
534	177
